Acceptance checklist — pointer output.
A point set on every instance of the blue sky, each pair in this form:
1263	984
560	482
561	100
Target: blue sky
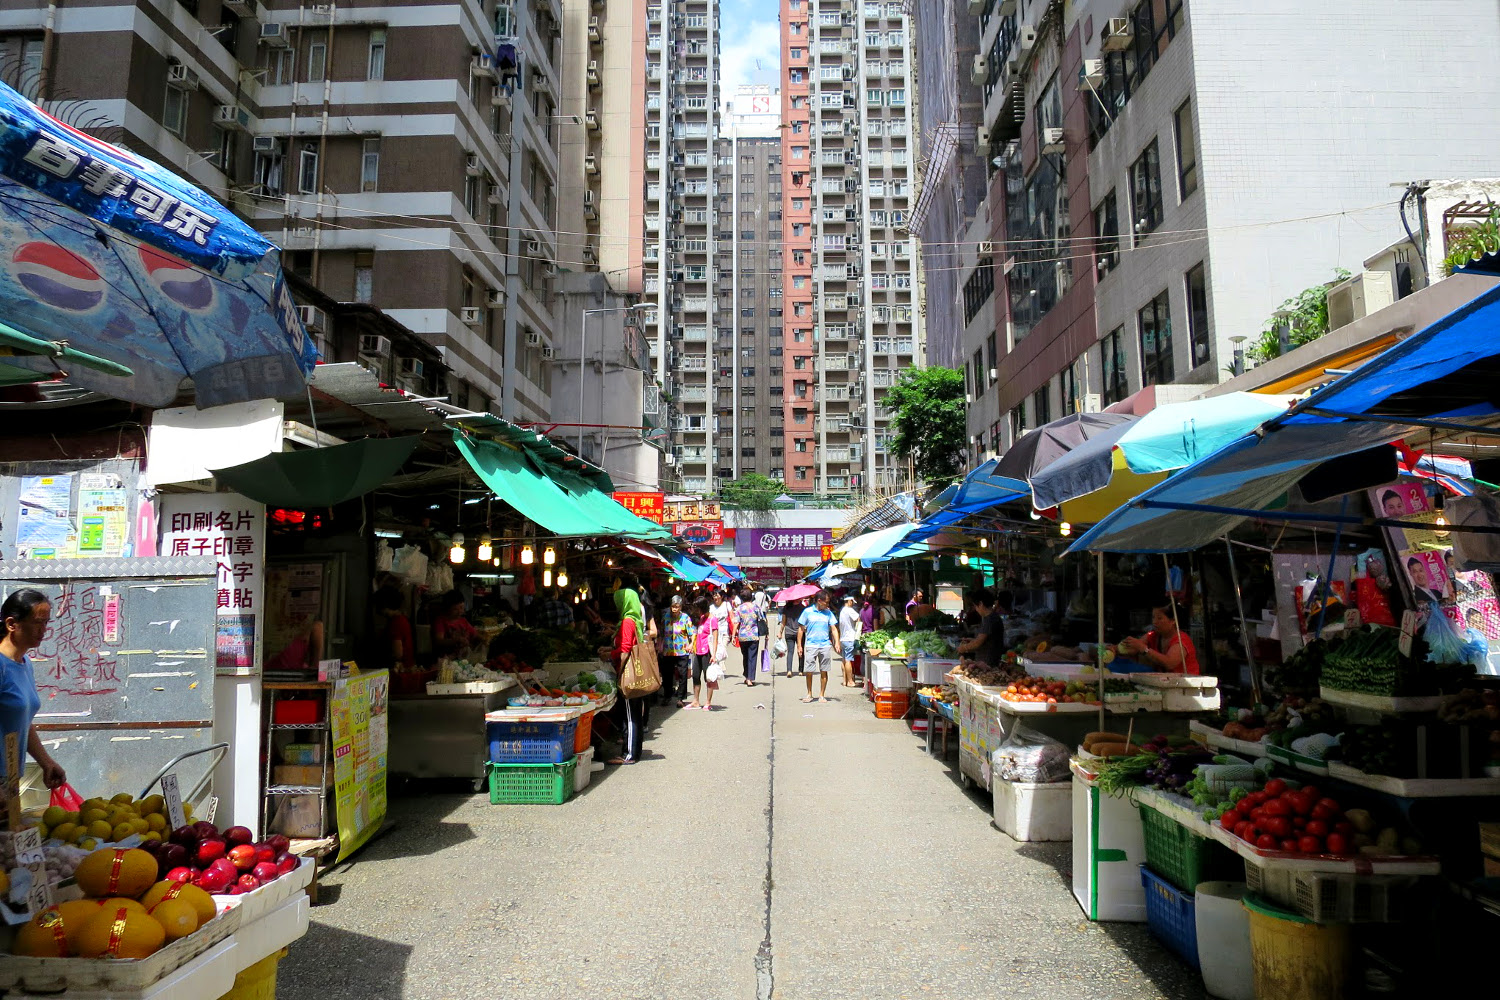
750	43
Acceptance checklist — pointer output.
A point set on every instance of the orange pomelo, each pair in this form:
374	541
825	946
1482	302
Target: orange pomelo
177	916
113	872
53	932
201	902
120	932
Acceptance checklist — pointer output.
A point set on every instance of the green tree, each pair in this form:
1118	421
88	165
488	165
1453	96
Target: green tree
1305	317
752	491
927	407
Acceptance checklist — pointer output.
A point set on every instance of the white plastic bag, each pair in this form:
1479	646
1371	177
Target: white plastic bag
1031	757
780	647
715	672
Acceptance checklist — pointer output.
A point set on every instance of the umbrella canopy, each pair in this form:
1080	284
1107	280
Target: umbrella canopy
1038	449
796	592
319	477
14	343
872	545
121	259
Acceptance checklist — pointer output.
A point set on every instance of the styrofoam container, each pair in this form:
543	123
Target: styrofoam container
1224	940
1033	812
932	669
584	770
1108	849
890	675
1190	699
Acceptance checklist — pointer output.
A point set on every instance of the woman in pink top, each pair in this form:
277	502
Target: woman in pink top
703	655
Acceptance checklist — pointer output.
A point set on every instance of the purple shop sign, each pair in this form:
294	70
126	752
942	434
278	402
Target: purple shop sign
793	543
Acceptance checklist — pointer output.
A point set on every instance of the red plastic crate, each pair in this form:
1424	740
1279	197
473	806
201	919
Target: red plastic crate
892	704
583	736
297	713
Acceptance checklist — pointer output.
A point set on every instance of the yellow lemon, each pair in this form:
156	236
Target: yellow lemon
139	825
152	804
100	829
157	822
123	798
94	815
121	831
55	816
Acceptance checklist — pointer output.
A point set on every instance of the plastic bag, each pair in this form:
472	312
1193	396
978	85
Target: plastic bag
780	647
715	672
1031	757
67	797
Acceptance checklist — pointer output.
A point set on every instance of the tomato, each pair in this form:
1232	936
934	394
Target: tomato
1230	818
1254	798
1257	814
1311	791
1320	811
1317	828
1310	845
1289	844
1277	826
1344	826
1243	829
1266	842
1275	787
1299	822
1277	807
1302	804
1332	804
1338	843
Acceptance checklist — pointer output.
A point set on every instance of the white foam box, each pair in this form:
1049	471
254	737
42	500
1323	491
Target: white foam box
1032	812
890	675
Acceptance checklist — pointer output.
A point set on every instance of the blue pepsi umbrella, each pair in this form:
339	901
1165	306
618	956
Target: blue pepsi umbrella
111	254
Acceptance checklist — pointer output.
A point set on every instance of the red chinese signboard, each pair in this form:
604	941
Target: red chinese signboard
827	553
648	505
696	509
700	532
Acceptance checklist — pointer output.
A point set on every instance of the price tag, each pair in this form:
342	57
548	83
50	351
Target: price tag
169	791
1351	619
1408	629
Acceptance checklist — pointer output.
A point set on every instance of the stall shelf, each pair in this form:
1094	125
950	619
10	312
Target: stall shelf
1381	703
1214	738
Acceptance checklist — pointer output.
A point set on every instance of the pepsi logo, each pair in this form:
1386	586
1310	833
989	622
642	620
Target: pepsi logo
57	277
178	280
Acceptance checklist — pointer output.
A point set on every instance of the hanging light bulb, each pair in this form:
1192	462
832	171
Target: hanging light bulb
528	555
984	543
1065	529
549	556
609	560
484	551
578	597
456	553
1035	516
547	578
1441	524
963	559
562	577
497	562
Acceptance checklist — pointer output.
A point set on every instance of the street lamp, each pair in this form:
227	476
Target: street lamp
583	344
1239	353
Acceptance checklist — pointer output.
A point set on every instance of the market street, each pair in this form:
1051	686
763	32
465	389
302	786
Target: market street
888	880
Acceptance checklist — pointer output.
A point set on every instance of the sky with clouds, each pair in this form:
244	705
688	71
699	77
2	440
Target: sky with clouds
749	44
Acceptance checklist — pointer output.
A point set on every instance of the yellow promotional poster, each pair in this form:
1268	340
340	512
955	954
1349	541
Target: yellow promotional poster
360	737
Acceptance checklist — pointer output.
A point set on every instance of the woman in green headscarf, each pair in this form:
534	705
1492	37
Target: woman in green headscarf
631	631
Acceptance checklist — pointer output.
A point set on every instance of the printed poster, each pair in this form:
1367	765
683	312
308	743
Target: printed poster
102	520
44	526
358	708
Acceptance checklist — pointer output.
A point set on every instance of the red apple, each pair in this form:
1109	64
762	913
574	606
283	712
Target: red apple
204	829
210	850
266	872
243	856
286	863
173	855
212	881
248	882
185	835
239	835
279	843
233	889
265	852
181	875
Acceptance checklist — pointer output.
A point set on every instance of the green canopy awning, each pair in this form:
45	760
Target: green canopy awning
319	477
16	343
562	502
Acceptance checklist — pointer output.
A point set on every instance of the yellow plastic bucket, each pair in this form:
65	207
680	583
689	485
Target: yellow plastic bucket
1293	958
258	982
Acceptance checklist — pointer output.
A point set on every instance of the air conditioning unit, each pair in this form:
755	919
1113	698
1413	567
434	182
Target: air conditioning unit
1091	74
1013	63
589	256
548	353
496	300
1026	40
1359	295
484	65
181	77
591	163
533	339
985	248
232	116
1052	141
596	34
981	138
1117	35
374	345
499	99
976	7
313	319
591	119
590	208
472	167
273	33
994	374
265	144
241	8
592	73
303	232
495	197
471	315
541	84
412	367
980	70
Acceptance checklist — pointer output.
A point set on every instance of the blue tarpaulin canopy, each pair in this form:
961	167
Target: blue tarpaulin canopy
116	256
1446	376
685	567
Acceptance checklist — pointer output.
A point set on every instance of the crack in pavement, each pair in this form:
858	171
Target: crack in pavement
765	973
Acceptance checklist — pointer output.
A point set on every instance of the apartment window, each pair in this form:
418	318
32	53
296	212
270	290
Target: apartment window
307	171
1187	151
174	111
1155	323
279	66
873	95
1145	191
1197	299
796	53
1107	228
994	359
377	54
799	152
369	166
1041	406
364	279
797	76
1068	384
897	97
317	61
1112	351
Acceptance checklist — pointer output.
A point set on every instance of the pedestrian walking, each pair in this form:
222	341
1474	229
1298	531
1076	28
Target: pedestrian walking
791	613
678	638
850	629
817	639
632	629
703	689
751	629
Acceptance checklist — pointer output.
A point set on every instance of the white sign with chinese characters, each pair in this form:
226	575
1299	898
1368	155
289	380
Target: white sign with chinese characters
231	529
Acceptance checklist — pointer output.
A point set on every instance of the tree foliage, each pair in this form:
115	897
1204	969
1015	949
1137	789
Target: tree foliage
1305	317
927	407
752	491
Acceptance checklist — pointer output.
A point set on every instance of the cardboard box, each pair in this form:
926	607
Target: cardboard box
298	816
310	775
1489	839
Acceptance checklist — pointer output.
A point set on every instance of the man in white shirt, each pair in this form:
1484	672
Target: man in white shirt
850	626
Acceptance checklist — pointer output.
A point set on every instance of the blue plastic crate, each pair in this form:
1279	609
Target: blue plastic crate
530	742
1171	915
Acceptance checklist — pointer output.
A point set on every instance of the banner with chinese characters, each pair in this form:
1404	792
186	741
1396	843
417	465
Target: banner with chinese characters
358	710
232	530
789	543
647	505
699	532
692	509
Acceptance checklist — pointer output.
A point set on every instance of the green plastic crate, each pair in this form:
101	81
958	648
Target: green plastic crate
1182	857
531	784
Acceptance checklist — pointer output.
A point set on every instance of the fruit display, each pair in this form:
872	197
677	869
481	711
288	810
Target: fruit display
1162	762
947	694
1036	689
578	693
1107	744
987	676
227	863
101	821
1283	817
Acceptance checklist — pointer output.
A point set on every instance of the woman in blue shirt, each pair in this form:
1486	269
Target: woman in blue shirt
25	615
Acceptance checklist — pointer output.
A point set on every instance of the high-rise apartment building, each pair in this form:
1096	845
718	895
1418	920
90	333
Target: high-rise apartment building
1167	172
749	337
853	319
681	99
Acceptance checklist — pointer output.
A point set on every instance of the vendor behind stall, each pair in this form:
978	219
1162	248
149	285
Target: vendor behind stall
1166	648
989	645
398	649
451	631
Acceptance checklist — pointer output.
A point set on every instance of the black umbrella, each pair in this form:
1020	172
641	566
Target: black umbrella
1040	448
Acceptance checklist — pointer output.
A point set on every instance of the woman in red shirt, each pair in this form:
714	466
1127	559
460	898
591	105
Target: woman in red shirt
1166	647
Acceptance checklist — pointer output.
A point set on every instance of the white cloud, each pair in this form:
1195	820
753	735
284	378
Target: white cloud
753	57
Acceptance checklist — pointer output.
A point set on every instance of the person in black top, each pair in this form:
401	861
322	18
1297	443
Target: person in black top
989	645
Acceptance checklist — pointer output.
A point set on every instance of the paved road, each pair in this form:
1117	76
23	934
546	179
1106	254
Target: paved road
845	863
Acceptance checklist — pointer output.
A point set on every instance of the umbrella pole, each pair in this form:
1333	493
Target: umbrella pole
1099	650
1239	605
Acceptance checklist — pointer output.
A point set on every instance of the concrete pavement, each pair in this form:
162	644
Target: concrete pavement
843	863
